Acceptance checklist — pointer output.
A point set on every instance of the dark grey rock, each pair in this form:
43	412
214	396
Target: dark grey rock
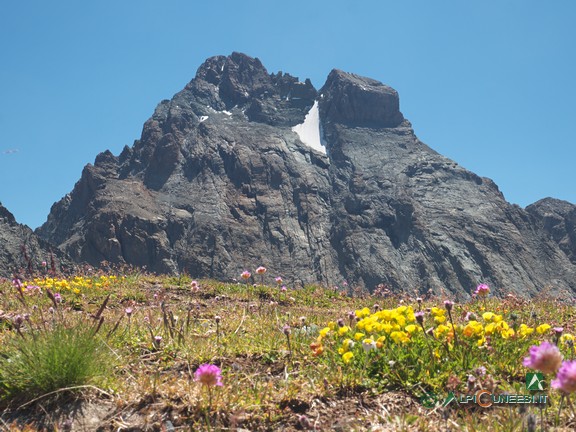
22	252
557	218
219	183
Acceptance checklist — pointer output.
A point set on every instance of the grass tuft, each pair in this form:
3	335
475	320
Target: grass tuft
36	364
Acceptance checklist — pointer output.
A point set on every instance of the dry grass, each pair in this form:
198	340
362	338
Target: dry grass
269	385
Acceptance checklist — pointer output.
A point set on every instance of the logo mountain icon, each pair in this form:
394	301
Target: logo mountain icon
451	397
534	381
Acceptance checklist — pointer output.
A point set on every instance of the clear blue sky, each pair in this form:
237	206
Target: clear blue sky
490	84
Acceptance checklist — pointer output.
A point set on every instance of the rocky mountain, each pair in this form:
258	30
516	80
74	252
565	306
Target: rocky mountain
557	218
243	168
22	252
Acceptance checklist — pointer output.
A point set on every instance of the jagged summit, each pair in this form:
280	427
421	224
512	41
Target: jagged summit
358	101
242	83
243	168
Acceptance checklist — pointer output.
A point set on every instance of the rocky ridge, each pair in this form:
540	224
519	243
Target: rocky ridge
220	181
21	251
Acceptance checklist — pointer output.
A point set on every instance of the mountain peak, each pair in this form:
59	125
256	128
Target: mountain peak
6	216
240	82
229	174
359	101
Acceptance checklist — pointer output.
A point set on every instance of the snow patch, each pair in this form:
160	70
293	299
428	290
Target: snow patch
310	132
228	113
203	118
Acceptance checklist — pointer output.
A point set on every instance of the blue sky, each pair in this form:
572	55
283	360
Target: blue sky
490	84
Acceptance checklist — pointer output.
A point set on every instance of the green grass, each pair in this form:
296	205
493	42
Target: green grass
41	362
268	386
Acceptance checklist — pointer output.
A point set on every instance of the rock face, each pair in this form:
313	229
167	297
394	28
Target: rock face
21	251
220	181
557	218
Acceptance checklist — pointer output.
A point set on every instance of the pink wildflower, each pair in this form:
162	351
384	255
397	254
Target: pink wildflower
194	286
546	358
246	274
208	375
261	270
566	378
482	290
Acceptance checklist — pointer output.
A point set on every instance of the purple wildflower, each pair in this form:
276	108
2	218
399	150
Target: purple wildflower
566	378
208	375
546	358
157	341
419	317
482	290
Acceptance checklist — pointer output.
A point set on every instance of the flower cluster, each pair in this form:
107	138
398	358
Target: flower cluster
371	331
382	331
76	284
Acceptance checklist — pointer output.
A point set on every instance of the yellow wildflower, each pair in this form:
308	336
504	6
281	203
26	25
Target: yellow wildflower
441	330
347	357
387	328
507	333
384	315
437	311
412	328
490	328
347	344
400	320
543	328
343	330
488	316
439	319
524	330
361	313
473	328
399	336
